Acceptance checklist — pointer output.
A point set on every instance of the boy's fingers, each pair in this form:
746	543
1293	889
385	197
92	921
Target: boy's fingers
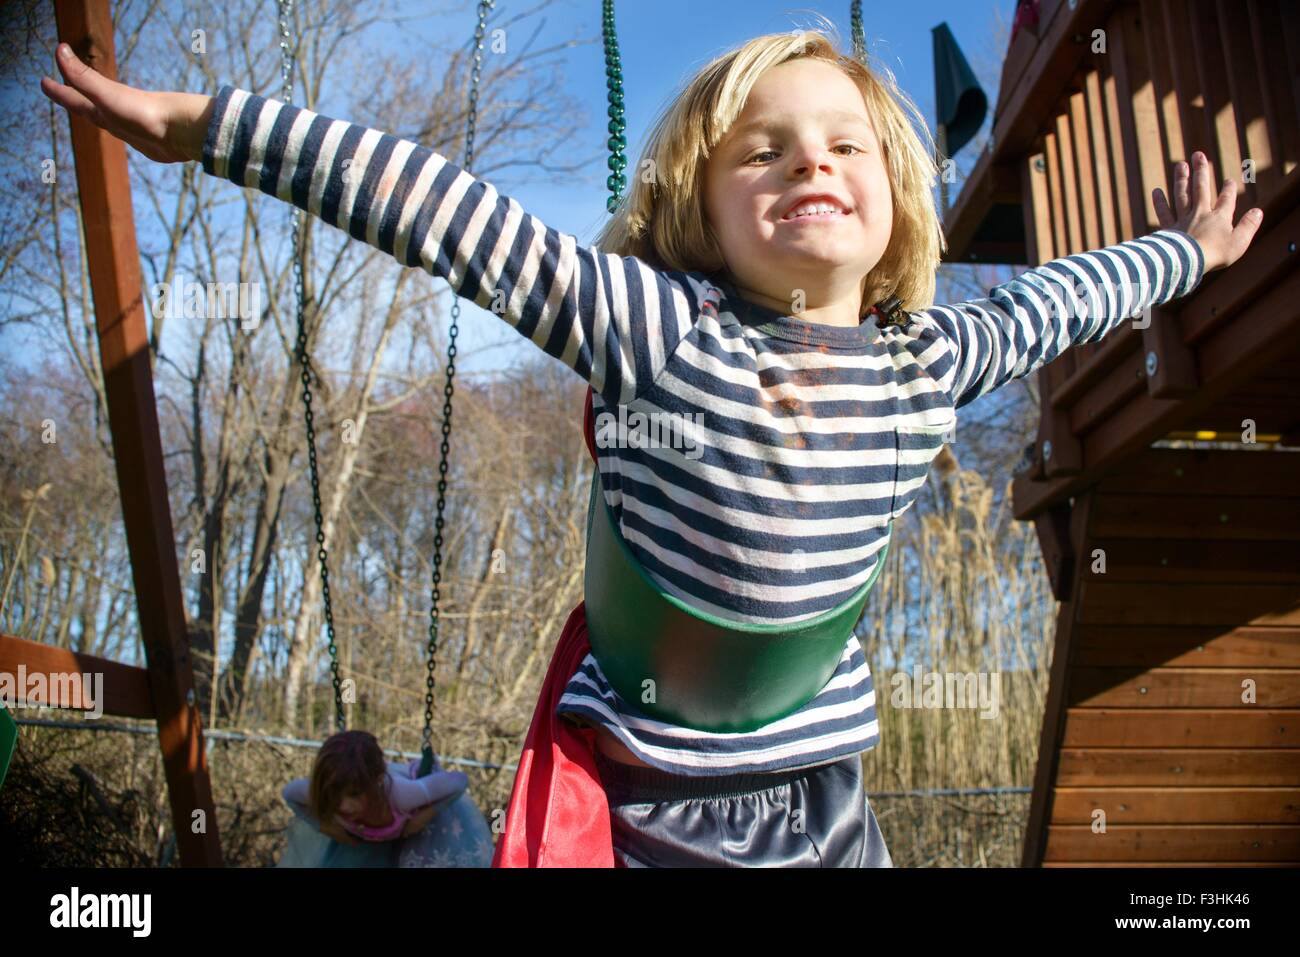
1227	197
1205	183
79	75
1164	215
1182	177
66	97
1243	234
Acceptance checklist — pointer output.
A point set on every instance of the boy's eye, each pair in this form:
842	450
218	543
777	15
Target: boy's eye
757	156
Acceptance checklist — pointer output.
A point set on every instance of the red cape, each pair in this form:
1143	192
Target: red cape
559	814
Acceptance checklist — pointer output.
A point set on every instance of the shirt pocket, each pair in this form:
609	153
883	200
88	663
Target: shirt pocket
916	443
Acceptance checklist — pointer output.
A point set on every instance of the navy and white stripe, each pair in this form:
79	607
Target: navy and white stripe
814	437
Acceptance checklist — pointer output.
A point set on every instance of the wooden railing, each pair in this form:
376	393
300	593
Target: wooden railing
1094	112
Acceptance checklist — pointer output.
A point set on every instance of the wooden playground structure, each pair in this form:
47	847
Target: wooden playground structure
1174	705
1172	714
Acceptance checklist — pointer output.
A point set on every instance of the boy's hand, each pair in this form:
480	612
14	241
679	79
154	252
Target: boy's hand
1206	219
166	127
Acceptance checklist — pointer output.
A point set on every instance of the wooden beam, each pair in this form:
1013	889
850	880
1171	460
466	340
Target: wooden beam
1055	191
1207	43
1085	168
1055	709
1139	118
1115	154
1095	104
1069	183
1160	57
125	687
113	262
1063	44
1277	83
1037	210
1239	59
1168	361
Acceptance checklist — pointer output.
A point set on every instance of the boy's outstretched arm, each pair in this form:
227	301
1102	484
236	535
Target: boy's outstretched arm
1025	323
613	319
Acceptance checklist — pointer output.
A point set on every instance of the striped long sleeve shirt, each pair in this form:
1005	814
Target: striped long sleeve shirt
797	443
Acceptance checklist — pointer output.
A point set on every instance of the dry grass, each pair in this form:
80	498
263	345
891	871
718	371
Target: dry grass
964	592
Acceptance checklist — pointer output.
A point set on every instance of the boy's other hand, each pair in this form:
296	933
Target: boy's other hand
1203	217
166	127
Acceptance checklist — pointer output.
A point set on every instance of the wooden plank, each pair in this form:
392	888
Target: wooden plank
1115	139
1159	59
1223	472
1174	372
1184	688
1069	182
1021	53
1196	603
1036	205
1186	767
1084	166
1164	864
1199	646
1139	118
1192	560
1176	805
1115	390
1277	85
1208	52
125	688
1254	517
113	264
1098	131
1289	14
1054	710
1112	350
1206	728
1053	529
1252	134
1194	125
1060	220
1201	842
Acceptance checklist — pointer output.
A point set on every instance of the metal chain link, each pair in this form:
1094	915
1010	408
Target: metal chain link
471	126
614	82
287	60
855	29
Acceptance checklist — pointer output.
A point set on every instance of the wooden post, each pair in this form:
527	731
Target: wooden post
115	279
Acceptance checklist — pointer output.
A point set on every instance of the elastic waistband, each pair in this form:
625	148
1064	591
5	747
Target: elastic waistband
632	784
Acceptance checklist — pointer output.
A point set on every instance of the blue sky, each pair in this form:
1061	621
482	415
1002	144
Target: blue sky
662	43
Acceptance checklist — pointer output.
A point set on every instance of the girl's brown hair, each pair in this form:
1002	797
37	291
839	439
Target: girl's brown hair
349	764
661	219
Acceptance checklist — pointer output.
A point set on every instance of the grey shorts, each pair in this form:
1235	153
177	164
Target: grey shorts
815	817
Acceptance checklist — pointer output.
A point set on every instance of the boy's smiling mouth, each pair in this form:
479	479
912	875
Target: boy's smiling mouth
813	208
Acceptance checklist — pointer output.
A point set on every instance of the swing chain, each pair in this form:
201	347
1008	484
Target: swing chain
304	363
426	740
617	142
855	28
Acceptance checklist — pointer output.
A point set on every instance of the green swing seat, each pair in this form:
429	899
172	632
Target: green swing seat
678	664
8	739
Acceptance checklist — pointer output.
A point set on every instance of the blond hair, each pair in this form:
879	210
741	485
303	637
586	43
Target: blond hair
661	219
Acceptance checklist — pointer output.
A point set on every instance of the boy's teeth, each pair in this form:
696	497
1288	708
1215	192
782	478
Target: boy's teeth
812	210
